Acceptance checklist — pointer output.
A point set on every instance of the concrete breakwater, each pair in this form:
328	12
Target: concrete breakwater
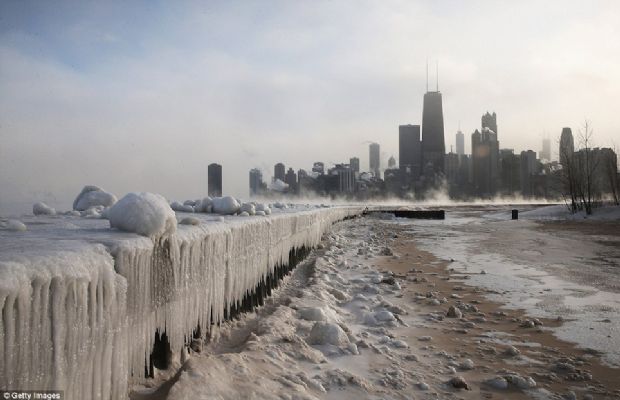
84	307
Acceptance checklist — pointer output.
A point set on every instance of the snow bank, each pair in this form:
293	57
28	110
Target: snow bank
146	214
92	196
41	208
561	212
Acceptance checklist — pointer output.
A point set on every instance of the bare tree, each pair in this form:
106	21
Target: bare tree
569	178
586	169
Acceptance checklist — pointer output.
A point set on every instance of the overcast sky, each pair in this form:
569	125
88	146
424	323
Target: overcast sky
143	96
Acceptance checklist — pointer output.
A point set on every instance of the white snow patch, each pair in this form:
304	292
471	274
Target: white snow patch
225	205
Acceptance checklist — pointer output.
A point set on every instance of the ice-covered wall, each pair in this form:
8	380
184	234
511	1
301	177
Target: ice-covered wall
80	305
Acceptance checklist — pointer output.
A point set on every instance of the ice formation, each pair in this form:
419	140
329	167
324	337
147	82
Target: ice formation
146	214
81	306
15	225
92	196
225	205
41	208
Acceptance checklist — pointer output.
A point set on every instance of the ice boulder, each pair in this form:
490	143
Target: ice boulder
264	208
15	225
41	208
176	206
248	208
312	314
328	333
225	205
190	221
92	196
146	214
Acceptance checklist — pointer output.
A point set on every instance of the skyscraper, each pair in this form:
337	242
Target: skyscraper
256	181
410	149
391	162
291	180
214	172
485	159
433	145
489	121
375	159
545	153
279	172
355	164
567	146
460	143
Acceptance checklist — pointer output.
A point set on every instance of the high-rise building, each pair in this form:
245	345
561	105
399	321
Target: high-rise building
529	168
279	172
318	167
214	184
485	160
391	162
410	149
346	178
545	153
567	146
489	121
375	159
433	145
291	180
256	181
355	164
460	143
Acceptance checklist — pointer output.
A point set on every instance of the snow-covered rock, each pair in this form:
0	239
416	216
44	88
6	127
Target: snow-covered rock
248	208
312	314
144	213
264	208
225	205
41	208
176	206
328	333
15	225
92	196
190	221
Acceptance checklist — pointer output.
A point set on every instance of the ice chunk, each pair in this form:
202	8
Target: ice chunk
249	208
328	333
15	225
264	208
144	213
41	208
225	205
190	221
91	196
176	206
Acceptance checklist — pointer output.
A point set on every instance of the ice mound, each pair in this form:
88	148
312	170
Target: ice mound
249	208
225	205
15	225
264	208
146	214
92	196
312	314
41	208
176	206
328	333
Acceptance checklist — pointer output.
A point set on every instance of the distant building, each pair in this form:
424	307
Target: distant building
485	159
391	162
489	121
346	178
375	159
318	167
567	146
354	162
291	180
433	144
529	168
279	172
510	171
451	167
256	182
545	153
460	143
214	172
410	150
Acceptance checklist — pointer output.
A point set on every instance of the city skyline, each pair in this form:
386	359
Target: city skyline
155	104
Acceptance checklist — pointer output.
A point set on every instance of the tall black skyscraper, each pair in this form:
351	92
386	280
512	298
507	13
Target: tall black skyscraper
410	149
489	121
567	146
433	145
215	180
279	172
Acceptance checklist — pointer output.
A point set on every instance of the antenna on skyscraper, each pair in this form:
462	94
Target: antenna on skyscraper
437	68
427	75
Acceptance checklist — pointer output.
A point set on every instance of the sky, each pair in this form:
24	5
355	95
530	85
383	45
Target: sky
143	95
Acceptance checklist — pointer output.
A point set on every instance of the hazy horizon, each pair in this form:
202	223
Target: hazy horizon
142	97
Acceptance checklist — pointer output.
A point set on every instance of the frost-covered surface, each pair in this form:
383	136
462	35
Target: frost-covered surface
93	196
81	302
146	214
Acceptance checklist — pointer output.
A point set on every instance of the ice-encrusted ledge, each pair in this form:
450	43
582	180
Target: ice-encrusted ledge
81	303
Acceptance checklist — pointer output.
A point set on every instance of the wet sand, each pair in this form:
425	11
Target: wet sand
542	354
